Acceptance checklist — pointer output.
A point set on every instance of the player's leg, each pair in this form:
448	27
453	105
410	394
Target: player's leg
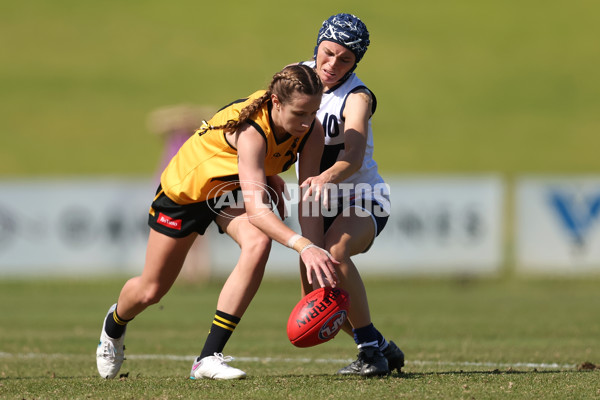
245	279
235	297
353	232
164	258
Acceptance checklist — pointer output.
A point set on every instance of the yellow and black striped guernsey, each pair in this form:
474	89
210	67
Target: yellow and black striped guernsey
207	160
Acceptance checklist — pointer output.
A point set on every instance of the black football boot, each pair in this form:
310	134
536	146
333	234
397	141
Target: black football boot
395	357
370	362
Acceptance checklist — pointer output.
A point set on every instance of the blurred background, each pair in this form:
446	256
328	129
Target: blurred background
487	126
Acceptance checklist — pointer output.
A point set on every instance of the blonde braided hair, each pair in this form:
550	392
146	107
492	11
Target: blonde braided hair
291	79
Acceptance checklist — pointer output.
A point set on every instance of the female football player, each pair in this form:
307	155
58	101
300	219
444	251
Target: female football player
237	152
360	201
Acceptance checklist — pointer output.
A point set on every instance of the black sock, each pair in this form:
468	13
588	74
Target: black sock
366	336
115	325
220	331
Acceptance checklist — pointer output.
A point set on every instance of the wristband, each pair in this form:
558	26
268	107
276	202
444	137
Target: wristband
293	240
316	247
301	244
308	246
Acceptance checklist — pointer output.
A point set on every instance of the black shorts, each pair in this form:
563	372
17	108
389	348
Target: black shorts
176	220
370	206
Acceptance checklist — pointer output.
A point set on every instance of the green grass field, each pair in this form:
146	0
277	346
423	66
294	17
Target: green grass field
463	339
466	86
463	86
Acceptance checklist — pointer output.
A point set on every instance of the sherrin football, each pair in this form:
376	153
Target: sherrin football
318	317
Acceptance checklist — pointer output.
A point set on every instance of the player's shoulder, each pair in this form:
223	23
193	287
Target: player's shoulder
357	89
359	95
351	84
362	91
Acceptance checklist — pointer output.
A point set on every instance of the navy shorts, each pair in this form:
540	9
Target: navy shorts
370	207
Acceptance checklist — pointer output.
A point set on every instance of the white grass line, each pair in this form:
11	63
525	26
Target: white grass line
172	357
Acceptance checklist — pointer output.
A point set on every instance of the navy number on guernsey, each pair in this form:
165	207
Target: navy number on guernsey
331	125
292	159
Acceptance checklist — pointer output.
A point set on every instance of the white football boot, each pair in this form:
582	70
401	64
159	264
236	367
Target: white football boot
110	352
215	367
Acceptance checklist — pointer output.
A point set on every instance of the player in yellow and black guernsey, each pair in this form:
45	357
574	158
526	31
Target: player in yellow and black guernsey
243	147
208	159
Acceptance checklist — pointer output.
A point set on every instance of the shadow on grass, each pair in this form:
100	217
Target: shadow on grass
418	375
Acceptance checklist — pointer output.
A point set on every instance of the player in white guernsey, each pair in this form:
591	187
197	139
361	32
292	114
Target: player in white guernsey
359	200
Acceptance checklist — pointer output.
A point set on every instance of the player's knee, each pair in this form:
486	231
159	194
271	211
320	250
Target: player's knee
152	294
338	250
257	245
261	244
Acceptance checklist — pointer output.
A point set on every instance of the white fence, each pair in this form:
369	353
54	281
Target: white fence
439	225
558	225
73	226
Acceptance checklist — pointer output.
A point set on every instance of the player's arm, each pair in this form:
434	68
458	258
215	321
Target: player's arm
308	166
309	216
356	114
278	188
251	154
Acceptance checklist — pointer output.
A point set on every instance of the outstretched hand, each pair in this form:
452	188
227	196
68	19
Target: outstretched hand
319	263
317	186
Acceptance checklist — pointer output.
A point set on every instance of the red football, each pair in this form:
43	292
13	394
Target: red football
318	317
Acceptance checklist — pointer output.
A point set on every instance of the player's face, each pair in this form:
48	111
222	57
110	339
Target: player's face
298	114
333	62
